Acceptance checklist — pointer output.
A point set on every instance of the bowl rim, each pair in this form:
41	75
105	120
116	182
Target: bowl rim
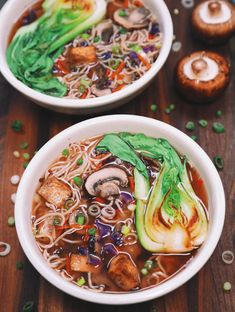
99	101
118	299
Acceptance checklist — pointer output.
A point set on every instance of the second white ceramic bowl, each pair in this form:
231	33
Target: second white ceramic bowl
117	123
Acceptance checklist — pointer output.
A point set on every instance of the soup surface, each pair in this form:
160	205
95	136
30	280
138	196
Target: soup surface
119	212
84	48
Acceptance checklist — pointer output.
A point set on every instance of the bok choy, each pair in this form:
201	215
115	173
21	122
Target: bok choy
34	48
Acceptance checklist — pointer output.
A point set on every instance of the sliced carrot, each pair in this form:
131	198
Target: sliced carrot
118	88
126	3
138	3
118	70
100	200
68	265
132	184
107	72
151	37
84	95
60	66
144	61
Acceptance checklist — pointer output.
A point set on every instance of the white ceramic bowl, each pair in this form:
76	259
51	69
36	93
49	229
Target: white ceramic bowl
14	8
116	123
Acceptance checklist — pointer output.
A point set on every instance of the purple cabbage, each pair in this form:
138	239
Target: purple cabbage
117	238
106	56
109	249
126	197
104	229
94	260
154	29
149	48
133	55
83	251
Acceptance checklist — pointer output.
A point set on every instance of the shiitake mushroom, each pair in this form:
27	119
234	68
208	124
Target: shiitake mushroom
213	22
202	76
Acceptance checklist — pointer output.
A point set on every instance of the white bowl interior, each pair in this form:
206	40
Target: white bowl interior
117	123
14	8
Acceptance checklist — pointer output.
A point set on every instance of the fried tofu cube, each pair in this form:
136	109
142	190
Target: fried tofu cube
80	263
55	191
83	55
123	272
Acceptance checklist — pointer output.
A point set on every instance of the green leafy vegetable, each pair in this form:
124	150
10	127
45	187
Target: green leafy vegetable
34	48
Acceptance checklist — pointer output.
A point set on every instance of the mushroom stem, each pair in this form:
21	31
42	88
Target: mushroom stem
199	66
214	7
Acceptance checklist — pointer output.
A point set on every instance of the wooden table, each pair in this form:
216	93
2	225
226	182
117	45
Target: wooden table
203	292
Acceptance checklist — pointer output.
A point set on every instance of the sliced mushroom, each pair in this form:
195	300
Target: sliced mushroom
106	181
134	19
105	30
100	92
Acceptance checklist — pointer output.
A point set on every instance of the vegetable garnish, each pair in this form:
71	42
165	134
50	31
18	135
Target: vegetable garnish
194	137
13	197
122	31
79	161
24	145
19	265
80	219
144	61
153	107
17	125
122	13
190	126
203	123
218	162
26	156
28	306
218	127
78	181
16	154
144	271
169	108
85	36
228	257
56	220
15	179
96	39
65	152
118	70
11	221
25	165
149	264
116	49
5	249
218	113
125	230
92	231
81	281
227	286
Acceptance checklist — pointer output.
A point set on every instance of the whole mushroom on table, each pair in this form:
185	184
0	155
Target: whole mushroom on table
202	76
213	21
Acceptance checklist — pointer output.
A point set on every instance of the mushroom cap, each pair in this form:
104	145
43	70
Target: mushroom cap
197	90
106	181
213	33
105	30
135	19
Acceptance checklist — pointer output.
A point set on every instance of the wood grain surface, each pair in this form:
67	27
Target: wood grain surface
204	292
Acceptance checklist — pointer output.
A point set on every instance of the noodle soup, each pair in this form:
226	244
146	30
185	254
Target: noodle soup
85	48
119	212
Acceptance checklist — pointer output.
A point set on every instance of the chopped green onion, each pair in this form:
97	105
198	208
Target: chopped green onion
25	164
81	281
85	36
114	63
92	231
194	137
56	221
11	221
122	31
167	110
26	156
78	181
28	306
148	264
203	123
122	13
135	47
85	82
19	265
65	152
218	113
79	161
153	107
218	127
23	145
17	125
190	126
125	230
172	107
69	203
144	271
218	162
82	89
227	286
80	219
116	49
96	39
